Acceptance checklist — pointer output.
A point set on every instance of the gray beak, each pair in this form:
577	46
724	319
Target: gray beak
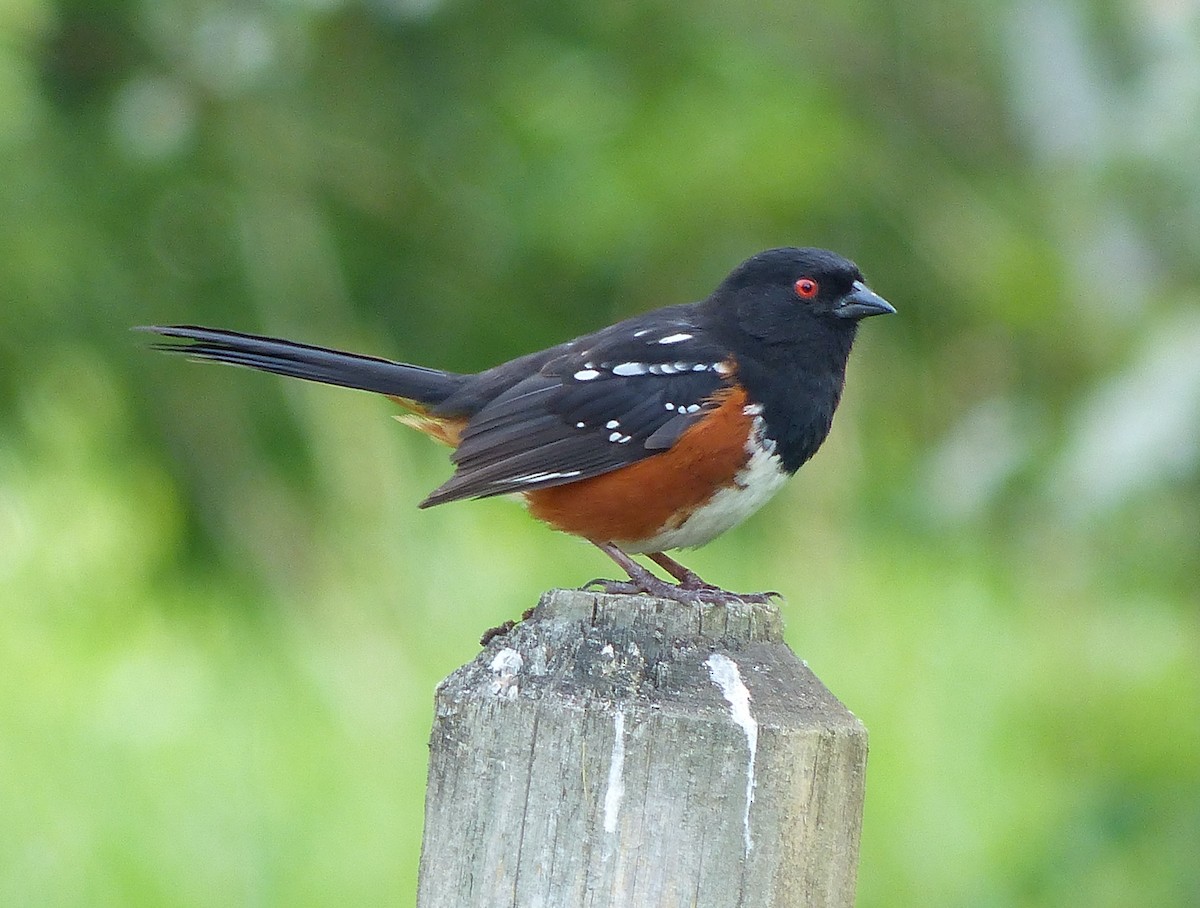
862	302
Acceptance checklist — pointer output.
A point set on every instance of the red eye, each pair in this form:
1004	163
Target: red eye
806	288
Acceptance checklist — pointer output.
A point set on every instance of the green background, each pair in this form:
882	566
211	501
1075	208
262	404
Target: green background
221	614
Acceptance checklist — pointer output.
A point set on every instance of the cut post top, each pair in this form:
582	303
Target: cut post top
730	623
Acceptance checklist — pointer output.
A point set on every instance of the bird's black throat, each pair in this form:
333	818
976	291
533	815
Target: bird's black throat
798	394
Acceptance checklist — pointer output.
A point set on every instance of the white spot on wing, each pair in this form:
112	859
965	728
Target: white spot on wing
675	338
586	375
725	674
542	476
628	369
616	766
612	424
615	436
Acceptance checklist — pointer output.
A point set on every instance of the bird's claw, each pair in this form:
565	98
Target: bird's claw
615	587
688	593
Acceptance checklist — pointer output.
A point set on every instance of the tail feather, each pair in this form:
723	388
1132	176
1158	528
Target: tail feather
319	364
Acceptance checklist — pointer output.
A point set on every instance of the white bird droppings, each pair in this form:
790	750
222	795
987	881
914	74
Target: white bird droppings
506	665
616	766
725	674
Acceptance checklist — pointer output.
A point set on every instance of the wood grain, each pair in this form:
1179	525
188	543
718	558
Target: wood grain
628	751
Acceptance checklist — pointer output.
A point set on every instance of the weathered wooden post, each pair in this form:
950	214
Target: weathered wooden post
627	751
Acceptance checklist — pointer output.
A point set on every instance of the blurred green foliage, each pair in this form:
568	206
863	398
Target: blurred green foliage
223	616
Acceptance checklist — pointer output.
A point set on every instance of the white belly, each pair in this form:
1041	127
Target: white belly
761	477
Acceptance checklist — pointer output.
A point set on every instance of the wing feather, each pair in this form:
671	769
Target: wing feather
576	417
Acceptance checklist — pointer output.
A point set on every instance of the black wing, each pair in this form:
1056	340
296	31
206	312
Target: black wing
606	401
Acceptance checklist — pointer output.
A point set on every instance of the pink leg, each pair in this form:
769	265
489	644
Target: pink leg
691	589
687	578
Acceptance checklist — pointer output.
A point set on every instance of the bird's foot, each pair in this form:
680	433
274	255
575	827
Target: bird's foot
703	593
690	580
691	588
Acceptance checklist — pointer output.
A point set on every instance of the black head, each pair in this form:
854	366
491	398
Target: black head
790	294
789	317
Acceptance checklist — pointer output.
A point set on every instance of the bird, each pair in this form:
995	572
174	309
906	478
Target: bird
659	432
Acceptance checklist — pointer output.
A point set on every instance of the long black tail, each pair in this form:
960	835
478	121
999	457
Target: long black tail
319	364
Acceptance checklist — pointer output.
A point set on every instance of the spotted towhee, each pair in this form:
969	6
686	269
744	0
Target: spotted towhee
659	432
